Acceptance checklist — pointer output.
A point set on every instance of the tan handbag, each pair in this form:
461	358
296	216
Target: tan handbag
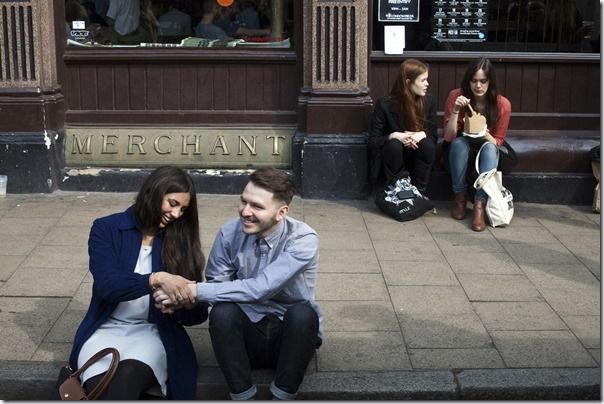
72	388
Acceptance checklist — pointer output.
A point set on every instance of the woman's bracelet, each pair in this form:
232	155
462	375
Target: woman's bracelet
154	285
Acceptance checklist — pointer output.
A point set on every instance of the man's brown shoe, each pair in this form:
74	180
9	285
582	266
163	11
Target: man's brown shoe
478	223
459	206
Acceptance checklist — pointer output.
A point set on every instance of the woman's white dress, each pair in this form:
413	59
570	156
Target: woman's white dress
128	330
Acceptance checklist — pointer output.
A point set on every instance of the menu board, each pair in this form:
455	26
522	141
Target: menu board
398	10
459	21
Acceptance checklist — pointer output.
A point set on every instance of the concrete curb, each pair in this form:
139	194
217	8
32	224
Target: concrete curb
23	380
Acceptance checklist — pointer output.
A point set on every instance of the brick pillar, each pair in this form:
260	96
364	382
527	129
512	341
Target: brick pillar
334	106
31	104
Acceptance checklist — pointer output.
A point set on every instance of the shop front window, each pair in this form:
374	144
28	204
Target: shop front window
179	23
490	25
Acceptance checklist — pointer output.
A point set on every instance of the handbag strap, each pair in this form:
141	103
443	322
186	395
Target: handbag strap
476	162
102	385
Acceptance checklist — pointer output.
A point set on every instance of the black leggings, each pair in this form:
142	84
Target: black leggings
418	162
130	381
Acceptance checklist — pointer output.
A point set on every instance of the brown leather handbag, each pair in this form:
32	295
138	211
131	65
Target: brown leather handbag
71	388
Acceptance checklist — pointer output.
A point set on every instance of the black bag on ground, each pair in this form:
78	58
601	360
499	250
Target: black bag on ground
401	200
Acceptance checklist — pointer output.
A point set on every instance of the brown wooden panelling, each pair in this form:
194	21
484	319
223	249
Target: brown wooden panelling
106	96
136	86
237	89
547	80
529	88
171	80
188	87
546	94
205	88
288	89
154	88
194	90
253	88
120	86
88	89
579	85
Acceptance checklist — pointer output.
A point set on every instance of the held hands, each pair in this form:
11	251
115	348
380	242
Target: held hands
168	306
174	289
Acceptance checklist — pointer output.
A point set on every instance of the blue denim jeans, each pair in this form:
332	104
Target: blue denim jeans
459	153
286	345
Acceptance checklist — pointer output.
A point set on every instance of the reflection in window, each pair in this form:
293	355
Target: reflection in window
511	26
176	23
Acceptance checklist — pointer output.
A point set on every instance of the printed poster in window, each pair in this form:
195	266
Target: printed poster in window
398	10
459	21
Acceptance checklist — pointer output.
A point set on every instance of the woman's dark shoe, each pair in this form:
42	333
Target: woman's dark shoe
478	223
459	206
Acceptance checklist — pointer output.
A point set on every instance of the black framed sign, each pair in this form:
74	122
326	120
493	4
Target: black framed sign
460	21
398	10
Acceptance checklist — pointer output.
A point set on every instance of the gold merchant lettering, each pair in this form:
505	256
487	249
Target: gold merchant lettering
275	138
136	140
219	142
185	143
250	147
78	146
156	144
108	140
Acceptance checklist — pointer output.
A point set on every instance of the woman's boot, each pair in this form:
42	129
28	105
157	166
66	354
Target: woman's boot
459	206
478	223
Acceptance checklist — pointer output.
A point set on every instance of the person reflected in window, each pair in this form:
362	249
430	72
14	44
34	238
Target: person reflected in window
174	22
123	16
254	14
479	91
562	22
122	29
235	17
207	28
403	132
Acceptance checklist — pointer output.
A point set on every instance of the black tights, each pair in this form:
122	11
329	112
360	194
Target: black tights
418	162
130	381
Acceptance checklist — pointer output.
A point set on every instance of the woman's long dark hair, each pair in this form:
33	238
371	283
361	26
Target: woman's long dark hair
411	106
492	110
181	246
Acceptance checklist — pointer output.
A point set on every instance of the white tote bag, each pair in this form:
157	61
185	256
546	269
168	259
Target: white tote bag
500	206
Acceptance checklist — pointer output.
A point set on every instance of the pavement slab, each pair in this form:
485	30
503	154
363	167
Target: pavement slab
418	273
372	351
541	349
444	331
518	316
586	328
498	288
426	309
456	358
359	316
333	286
348	261
482	263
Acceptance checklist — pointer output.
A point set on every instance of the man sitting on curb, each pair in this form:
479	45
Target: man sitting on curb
261	277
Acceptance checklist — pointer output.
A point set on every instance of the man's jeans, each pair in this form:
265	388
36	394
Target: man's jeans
240	346
459	152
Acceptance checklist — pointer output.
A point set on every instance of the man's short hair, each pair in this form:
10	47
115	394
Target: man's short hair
279	182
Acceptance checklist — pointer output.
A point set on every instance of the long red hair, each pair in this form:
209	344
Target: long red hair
411	106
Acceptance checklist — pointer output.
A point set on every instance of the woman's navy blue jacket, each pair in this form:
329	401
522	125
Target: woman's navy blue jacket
113	247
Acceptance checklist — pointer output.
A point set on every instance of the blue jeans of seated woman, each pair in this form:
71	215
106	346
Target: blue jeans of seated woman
459	152
240	345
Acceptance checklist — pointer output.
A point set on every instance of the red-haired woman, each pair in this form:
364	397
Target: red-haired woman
403	130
